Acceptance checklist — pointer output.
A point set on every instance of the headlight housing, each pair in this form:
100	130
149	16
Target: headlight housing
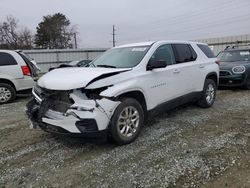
239	69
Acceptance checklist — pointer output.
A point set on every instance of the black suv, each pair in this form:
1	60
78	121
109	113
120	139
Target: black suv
235	67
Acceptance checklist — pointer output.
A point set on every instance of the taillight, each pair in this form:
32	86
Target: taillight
217	62
25	70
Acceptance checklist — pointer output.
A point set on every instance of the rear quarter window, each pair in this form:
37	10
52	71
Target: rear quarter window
184	53
7	59
206	50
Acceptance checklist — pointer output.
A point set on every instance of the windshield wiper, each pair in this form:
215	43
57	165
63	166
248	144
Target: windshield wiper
106	66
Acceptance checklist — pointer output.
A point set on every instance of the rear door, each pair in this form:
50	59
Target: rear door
205	64
184	69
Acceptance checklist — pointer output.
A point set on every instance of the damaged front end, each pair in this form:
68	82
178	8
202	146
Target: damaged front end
75	112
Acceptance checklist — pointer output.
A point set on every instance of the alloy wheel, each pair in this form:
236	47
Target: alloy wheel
128	121
210	93
5	94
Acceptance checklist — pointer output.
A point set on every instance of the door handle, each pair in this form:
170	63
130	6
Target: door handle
176	71
202	66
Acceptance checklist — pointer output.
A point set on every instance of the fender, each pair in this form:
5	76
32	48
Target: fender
121	88
213	74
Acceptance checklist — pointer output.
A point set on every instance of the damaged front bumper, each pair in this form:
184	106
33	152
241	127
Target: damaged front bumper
77	115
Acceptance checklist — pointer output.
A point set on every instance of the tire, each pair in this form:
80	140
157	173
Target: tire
126	121
7	93
208	94
247	84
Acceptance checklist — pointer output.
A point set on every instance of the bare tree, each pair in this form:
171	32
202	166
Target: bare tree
12	38
25	39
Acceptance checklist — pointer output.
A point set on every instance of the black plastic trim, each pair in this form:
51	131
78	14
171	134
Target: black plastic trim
175	103
58	131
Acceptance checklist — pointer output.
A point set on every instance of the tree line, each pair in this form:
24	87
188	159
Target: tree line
53	32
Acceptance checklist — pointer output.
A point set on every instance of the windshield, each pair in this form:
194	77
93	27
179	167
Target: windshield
126	57
73	63
230	56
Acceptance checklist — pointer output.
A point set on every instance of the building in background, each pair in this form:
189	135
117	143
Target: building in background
48	58
220	43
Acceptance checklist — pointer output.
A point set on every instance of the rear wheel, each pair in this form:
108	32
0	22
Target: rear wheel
127	121
208	95
7	93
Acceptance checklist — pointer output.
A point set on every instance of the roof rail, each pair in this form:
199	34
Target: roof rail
237	46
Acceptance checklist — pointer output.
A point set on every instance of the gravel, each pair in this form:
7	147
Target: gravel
185	147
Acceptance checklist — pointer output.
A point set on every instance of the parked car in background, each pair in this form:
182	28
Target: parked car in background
235	67
115	94
17	71
80	63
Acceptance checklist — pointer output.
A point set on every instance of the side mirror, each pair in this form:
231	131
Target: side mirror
156	64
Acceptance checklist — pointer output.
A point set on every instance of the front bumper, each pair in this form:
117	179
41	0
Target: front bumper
235	80
58	131
84	118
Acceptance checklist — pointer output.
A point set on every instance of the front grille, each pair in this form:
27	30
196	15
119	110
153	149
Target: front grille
225	73
53	99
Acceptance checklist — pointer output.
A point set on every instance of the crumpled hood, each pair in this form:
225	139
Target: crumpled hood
73	78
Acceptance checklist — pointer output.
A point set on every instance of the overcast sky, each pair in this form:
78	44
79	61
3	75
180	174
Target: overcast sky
137	20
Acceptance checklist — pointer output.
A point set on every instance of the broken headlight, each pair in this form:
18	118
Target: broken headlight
94	93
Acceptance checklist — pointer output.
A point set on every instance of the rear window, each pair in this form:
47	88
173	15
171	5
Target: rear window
25	58
184	53
206	50
7	59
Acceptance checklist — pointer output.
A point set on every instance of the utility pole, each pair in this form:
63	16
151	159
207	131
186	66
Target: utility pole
75	41
113	34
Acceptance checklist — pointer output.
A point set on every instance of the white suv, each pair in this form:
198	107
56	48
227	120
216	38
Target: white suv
16	74
115	94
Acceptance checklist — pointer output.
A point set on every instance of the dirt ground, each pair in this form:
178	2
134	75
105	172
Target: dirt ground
187	147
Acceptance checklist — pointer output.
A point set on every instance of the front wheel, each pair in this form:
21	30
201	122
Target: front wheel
127	121
208	95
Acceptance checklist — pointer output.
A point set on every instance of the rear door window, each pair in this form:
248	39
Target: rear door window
206	50
7	59
184	53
